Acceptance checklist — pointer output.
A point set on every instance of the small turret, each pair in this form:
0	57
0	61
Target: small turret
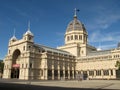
28	36
13	38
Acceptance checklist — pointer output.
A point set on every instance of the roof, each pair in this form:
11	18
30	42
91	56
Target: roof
75	24
101	52
46	48
28	32
13	38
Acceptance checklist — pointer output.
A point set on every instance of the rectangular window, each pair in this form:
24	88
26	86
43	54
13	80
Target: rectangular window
91	73
85	72
26	65
80	37
30	65
106	72
22	65
41	72
98	73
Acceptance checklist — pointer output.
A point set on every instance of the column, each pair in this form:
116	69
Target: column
63	71
102	74
88	74
68	73
52	72
94	73
109	74
44	66
76	73
9	73
114	73
58	72
45	74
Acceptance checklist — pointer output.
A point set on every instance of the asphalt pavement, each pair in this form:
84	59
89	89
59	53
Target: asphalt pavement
13	84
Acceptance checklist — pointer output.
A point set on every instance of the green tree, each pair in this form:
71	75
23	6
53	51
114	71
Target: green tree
117	65
1	66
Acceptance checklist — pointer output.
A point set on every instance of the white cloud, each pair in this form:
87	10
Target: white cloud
103	17
106	40
105	47
97	36
106	21
99	26
103	22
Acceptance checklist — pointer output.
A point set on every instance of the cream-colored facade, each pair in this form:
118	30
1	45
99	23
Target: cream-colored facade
27	60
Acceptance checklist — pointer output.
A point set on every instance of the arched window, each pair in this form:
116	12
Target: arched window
71	37
29	38
23	47
16	56
68	38
9	51
76	37
80	37
82	52
22	65
84	38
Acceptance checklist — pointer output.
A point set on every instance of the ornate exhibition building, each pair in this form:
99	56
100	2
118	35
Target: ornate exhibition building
27	60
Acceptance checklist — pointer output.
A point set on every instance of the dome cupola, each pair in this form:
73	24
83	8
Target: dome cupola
75	25
75	32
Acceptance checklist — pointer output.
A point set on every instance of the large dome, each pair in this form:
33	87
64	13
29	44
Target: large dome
75	24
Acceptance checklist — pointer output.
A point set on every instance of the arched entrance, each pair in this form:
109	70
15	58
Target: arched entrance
15	64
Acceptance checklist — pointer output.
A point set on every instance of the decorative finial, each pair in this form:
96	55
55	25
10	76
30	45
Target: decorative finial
75	13
14	32
28	31
28	25
13	37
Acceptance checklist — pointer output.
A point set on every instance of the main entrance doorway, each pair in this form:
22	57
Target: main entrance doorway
15	73
15	64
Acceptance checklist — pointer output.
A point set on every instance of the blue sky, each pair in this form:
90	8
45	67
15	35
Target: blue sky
49	19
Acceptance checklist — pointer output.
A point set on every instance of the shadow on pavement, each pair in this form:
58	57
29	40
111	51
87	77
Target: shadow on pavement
10	86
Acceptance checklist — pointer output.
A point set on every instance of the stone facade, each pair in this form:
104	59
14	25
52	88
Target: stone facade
27	60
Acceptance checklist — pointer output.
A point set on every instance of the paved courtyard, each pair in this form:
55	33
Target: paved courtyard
94	84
